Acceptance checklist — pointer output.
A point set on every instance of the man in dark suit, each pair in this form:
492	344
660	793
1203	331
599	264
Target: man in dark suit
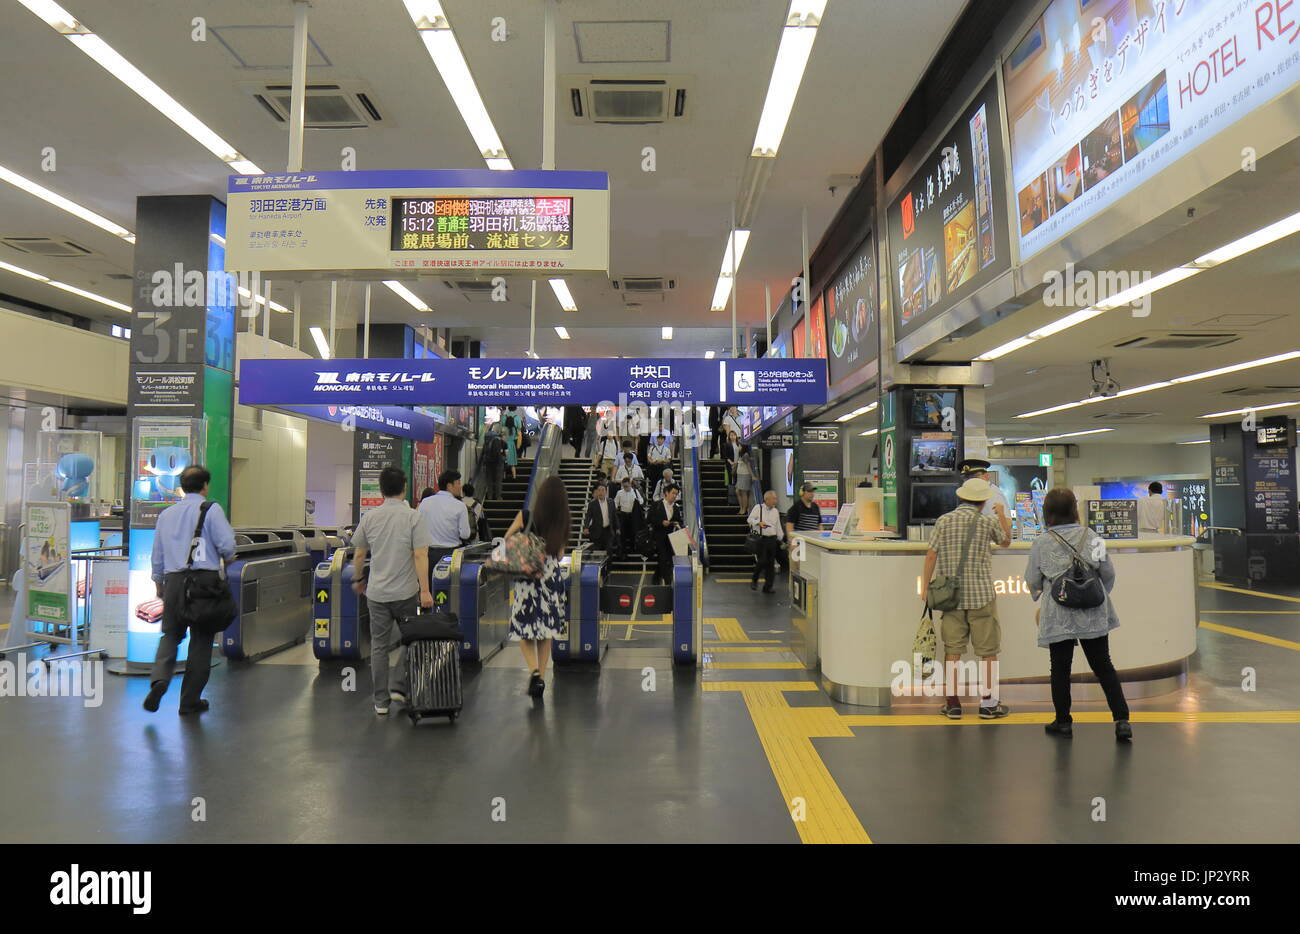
600	525
666	517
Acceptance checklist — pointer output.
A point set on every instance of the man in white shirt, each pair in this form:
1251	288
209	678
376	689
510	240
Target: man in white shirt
659	457
765	518
1151	511
628	504
446	518
629	470
664	483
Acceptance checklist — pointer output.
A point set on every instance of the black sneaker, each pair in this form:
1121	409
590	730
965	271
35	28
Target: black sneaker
200	707
996	712
952	713
1057	728
156	692
1123	731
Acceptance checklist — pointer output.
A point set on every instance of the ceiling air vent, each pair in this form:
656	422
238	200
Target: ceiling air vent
472	290
644	284
1178	340
627	100
46	246
326	106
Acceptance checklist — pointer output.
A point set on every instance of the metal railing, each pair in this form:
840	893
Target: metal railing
546	462
693	508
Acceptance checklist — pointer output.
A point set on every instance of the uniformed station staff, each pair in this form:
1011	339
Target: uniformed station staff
974	467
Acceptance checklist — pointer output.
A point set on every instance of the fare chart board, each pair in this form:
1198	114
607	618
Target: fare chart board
1113	518
418	222
584	381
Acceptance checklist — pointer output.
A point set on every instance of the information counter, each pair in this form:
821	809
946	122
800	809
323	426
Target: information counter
868	606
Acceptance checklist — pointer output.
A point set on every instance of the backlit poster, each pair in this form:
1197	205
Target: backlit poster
851	310
818	333
1105	94
947	236
46	571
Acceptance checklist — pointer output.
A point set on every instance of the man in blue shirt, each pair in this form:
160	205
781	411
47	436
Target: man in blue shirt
214	548
445	516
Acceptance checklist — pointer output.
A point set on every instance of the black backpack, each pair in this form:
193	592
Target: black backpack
1079	587
494	449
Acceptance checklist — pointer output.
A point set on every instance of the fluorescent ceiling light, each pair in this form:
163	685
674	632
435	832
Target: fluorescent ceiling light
87	215
1202	441
787	73
79	35
1175	381
321	344
1253	408
563	295
868	433
1142	289
562	331
708	355
723	290
1068	434
667	333
1008	347
407	295
65	287
1253	241
856	412
262	300
440	40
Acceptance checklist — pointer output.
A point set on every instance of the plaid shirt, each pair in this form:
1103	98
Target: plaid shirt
949	535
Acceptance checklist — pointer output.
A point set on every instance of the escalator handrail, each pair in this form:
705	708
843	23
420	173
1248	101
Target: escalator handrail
693	508
546	462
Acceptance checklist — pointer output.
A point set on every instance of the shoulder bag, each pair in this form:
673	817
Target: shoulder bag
521	555
945	592
1079	587
207	606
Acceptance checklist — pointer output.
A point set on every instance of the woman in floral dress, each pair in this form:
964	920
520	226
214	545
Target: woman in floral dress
539	609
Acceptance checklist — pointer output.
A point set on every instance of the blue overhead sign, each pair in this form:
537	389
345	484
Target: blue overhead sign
532	382
390	419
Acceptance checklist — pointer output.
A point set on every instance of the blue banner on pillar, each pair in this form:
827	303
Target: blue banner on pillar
532	382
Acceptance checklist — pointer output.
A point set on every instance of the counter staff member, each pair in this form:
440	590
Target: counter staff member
804	515
173	535
446	518
974	467
397	541
976	618
1151	511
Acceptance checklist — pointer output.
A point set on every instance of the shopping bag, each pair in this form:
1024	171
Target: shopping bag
681	542
925	644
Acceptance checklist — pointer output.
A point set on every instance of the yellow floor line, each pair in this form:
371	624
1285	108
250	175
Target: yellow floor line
786	733
1252	593
727	628
792	666
747	648
1256	612
746	642
1254	636
731	580
1022	719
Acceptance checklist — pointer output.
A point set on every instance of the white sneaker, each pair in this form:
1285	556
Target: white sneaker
381	711
397	697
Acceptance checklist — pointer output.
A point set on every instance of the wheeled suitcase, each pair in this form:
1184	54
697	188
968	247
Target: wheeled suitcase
432	666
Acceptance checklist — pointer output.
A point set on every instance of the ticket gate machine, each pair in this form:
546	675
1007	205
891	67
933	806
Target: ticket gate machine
270	579
341	618
586	641
682	600
480	601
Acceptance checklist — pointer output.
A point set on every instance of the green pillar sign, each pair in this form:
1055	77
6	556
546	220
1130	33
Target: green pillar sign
889	459
1045	459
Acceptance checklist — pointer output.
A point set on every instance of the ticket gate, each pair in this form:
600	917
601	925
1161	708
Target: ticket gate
270	579
341	618
320	541
480	601
688	609
586	642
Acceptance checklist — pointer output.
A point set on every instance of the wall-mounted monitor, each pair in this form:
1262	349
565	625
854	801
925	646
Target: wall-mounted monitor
928	407
933	456
932	500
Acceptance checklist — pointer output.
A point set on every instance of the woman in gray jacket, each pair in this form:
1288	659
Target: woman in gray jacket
1060	626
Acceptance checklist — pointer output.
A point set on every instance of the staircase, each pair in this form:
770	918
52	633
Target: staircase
723	527
501	512
577	473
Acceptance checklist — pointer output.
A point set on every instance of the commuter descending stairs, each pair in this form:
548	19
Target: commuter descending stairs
724	528
501	512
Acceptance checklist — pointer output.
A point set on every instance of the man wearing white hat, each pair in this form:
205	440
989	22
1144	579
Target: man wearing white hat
959	550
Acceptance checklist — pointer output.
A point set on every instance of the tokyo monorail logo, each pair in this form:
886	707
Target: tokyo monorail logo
79	886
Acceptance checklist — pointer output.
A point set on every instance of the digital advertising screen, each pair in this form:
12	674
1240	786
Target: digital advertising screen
929	405
933	454
1105	94
818	333
851	314
947	229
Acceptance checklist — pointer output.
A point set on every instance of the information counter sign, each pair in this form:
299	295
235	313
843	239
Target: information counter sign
586	381
418	222
1113	518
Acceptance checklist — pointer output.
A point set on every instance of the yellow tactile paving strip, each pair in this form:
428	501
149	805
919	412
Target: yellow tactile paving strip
1251	593
1253	636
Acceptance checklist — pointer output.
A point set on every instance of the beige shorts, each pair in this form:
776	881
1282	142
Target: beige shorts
979	626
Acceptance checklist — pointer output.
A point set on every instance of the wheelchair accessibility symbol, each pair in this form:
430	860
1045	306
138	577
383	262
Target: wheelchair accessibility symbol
742	381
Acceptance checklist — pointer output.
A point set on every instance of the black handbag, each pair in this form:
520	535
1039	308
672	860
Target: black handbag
753	541
1080	587
207	605
430	627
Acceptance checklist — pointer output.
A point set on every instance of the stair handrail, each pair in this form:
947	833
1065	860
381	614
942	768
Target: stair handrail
546	463
693	508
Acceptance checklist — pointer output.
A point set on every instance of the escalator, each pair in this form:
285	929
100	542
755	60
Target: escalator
723	525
